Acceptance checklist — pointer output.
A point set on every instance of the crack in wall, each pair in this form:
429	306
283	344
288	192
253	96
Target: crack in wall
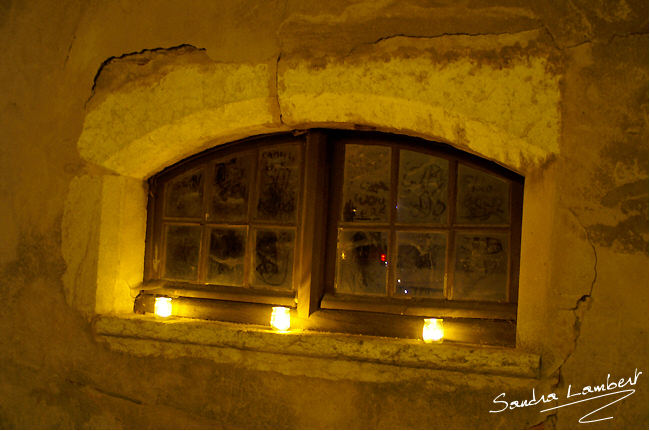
578	312
549	422
277	89
610	40
67	55
578	44
552	37
104	392
441	35
283	18
626	35
109	60
146	403
448	34
585	298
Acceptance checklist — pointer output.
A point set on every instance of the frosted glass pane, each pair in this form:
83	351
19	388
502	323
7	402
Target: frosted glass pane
273	263
231	184
481	267
279	179
182	253
482	198
366	184
362	262
226	258
420	264
422	194
184	195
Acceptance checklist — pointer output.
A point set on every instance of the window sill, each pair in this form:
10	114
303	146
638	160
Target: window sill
224	342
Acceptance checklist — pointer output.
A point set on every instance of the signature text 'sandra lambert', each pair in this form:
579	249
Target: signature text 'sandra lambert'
607	389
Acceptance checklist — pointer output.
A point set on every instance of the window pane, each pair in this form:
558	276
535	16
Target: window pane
422	194
226	258
366	184
273	263
362	262
230	189
421	264
279	178
185	195
482	198
481	267
182	254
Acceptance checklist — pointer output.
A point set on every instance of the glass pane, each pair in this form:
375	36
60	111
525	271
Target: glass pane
185	195
230	189
362	262
226	258
273	263
278	183
366	184
481	267
421	264
182	254
422	194
482	198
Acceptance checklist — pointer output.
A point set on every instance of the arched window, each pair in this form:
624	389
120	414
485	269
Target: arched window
357	232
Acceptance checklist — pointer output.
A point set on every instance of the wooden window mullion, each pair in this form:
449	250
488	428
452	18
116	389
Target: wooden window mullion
204	249
392	214
249	252
336	156
311	235
451	236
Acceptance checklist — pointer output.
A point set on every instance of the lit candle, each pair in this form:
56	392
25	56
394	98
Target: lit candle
280	318
433	330
163	306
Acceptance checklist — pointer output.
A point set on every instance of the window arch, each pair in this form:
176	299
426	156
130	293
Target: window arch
357	232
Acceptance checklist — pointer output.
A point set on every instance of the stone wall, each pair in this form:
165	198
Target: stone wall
99	96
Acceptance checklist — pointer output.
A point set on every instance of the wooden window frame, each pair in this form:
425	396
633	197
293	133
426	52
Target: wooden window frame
424	306
315	304
155	244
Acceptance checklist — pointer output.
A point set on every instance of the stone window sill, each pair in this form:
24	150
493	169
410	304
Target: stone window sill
229	342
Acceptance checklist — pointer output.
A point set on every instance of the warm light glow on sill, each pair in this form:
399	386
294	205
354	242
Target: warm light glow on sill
163	306
280	318
433	330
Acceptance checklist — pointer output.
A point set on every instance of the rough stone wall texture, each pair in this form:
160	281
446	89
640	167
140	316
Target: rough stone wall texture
581	66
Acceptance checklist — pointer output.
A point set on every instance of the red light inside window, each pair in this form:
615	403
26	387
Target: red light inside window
383	257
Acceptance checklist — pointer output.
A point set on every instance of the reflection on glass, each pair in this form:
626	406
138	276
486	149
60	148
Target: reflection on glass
422	193
279	177
273	262
226	256
230	189
482	198
481	267
185	195
420	264
366	183
182	253
362	262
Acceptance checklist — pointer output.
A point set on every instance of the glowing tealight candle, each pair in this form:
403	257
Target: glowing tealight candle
163	306
280	318
433	330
